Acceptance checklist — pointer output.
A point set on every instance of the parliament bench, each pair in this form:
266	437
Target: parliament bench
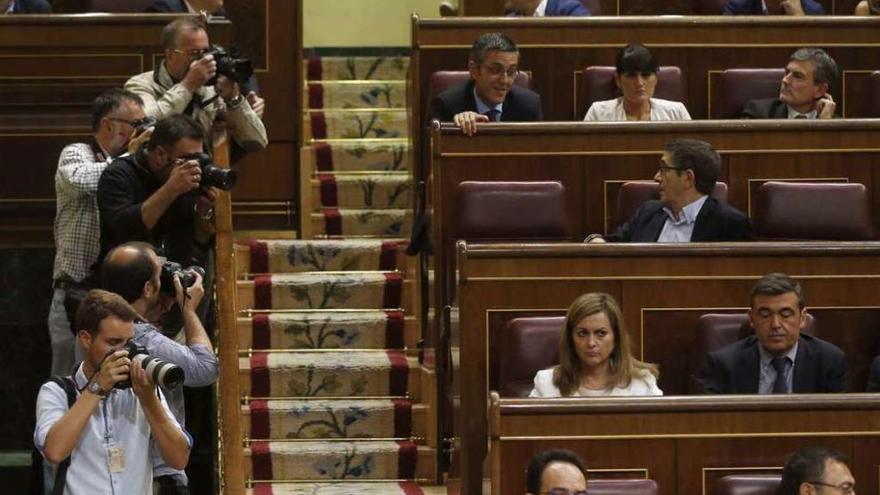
662	290
686	444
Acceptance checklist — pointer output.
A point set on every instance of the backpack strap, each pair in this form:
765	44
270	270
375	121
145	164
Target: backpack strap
66	384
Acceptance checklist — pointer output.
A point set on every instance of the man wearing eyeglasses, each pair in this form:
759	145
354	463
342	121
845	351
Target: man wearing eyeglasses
556	472
490	95
115	116
685	212
180	86
816	471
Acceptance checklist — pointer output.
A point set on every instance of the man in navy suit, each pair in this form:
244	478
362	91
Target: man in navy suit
785	7
805	90
546	8
25	7
778	358
685	212
490	95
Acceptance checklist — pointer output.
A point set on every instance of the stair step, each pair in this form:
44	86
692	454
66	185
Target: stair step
297	256
356	68
388	190
323	290
355	124
388	329
357	156
362	222
290	374
317	460
354	94
328	418
339	488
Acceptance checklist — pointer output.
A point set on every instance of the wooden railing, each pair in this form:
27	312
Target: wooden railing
231	453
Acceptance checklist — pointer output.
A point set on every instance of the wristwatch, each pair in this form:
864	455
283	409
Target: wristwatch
95	388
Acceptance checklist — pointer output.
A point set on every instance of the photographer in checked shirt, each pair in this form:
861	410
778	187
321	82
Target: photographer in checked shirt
117	116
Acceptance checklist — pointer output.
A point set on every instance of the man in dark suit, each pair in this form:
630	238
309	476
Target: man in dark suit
805	90
213	7
685	212
490	95
778	358
25	7
784	7
546	8
874	376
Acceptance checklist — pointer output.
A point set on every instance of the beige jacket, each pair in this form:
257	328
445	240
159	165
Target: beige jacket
162	97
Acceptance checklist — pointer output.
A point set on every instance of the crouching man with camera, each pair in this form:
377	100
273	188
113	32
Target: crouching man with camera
151	286
101	424
200	81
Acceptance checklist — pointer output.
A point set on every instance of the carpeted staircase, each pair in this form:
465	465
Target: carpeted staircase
334	400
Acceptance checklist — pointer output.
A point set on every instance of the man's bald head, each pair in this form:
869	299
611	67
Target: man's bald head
127	268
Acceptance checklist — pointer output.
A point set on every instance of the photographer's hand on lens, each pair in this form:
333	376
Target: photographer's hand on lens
137	140
114	369
184	177
200	72
141	384
189	299
227	88
257	104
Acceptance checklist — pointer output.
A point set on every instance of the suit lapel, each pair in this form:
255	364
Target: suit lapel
653	227
470	103
551	8
750	362
803	381
702	226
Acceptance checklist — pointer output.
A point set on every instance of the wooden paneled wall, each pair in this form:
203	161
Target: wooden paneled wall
685	444
652	283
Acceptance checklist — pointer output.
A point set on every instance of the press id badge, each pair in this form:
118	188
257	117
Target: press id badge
115	458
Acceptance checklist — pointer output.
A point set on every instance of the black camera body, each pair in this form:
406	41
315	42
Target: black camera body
144	124
187	276
166	375
239	70
212	175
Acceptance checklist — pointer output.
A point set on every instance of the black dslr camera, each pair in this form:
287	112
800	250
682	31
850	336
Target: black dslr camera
143	124
166	375
239	70
212	175
187	276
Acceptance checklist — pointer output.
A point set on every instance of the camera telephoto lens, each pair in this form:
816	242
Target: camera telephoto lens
161	373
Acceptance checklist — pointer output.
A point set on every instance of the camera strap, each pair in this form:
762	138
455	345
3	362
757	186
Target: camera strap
66	384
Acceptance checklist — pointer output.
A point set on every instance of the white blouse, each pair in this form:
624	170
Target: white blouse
609	110
641	385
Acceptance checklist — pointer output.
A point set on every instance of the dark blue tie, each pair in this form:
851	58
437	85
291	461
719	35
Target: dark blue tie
492	115
780	364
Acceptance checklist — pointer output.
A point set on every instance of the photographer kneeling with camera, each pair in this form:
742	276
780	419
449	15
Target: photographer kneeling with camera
152	286
99	432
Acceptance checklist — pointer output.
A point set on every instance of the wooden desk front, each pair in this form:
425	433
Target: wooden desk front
652	282
685	444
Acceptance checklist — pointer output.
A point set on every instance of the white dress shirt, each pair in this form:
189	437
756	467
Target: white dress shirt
768	373
793	114
640	385
681	230
540	9
118	421
483	107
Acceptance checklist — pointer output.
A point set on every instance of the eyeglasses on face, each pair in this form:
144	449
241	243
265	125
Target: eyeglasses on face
497	70
133	123
846	488
193	54
663	167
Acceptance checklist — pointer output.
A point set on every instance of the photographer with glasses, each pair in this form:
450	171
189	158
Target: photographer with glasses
117	127
490	95
187	82
556	472
816	471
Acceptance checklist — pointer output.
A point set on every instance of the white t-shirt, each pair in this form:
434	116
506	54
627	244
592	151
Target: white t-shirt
641	385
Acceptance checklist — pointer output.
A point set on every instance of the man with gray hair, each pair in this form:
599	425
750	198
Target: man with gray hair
490	95
182	85
805	90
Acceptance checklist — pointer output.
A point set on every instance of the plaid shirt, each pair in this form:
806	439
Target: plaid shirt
77	227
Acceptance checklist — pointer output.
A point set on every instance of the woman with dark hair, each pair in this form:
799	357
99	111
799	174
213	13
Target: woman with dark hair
636	78
594	355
